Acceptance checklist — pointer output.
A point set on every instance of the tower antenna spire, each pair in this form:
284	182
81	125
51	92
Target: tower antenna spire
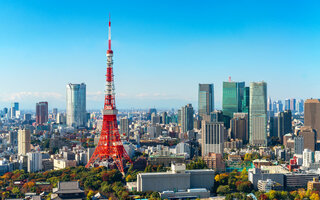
109	31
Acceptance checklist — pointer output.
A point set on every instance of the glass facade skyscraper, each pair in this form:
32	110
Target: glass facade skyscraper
205	99
258	114
186	118
76	105
232	97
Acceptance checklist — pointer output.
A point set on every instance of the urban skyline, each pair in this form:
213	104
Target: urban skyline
256	44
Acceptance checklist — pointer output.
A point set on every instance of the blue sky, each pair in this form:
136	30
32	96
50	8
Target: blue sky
162	49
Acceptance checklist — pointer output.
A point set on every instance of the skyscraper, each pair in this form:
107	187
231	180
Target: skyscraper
24	141
14	110
293	103
42	112
269	107
312	115
284	123
300	106
309	137
34	162
76	105
258	114
205	99
287	104
212	139
232	99
186	118
245	101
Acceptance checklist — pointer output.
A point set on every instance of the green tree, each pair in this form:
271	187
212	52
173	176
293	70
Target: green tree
223	189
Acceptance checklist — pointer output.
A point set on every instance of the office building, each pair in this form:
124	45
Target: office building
298	145
269	105
279	106
34	162
76	105
309	137
164	118
284	123
308	157
232	98
312	114
177	179
293	103
42	112
13	138
245	100
124	126
258	114
239	127
24	141
300	106
186	118
212	137
287	104
205	99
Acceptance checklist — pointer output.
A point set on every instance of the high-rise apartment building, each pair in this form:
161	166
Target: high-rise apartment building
24	141
258	114
205	99
186	118
212	137
231	99
76	105
124	126
42	112
312	115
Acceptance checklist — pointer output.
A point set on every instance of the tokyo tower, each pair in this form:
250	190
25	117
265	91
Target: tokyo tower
110	146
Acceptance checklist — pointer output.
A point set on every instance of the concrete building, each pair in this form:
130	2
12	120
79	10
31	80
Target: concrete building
312	114
13	138
24	141
76	105
42	112
258	114
212	137
34	162
308	157
124	126
63	163
309	137
298	145
186	118
177	179
265	185
215	161
239	127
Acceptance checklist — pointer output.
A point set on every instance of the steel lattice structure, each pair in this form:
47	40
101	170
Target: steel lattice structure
110	146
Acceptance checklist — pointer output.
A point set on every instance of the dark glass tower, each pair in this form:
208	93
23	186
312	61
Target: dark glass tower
205	99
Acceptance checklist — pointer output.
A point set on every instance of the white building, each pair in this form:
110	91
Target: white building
24	141
308	157
212	139
34	162
76	105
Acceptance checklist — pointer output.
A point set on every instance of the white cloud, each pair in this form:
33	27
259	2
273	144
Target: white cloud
18	96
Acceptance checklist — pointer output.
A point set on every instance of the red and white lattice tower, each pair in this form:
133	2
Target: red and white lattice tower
110	146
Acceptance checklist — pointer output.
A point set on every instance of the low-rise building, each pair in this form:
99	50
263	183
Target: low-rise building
314	185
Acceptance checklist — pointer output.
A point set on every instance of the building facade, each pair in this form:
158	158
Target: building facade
258	114
205	99
42	112
76	105
212	140
24	141
186	118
